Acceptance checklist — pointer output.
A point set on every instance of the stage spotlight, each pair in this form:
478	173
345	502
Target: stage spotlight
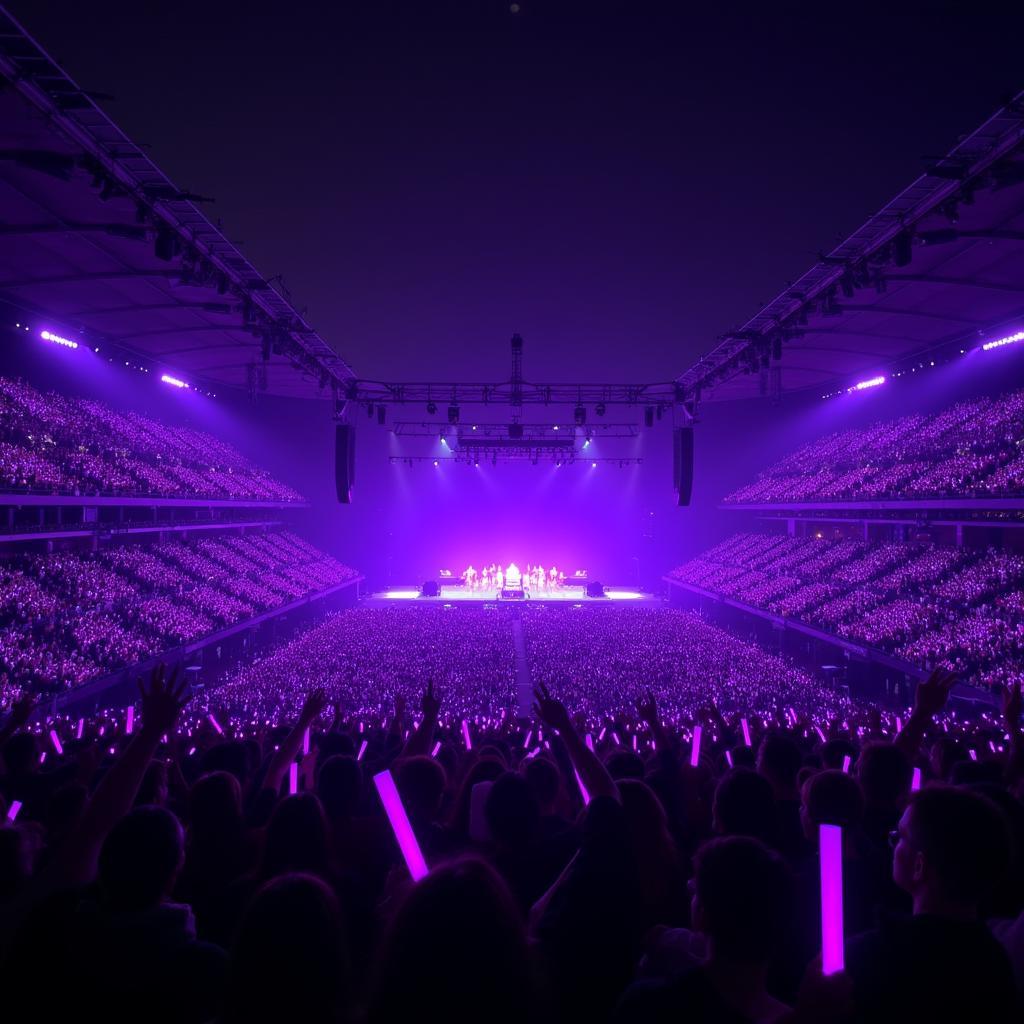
431	408
649	416
381	414
580	415
453	414
436	463
600	408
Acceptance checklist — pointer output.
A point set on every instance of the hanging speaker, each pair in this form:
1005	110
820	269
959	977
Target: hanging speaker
682	464
344	461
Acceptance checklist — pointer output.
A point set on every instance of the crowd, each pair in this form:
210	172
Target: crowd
971	449
70	616
956	607
234	862
57	444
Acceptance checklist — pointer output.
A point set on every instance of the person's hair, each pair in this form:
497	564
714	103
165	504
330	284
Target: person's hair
215	806
21	753
15	860
884	773
420	782
296	838
779	759
544	780
625	764
456	942
140	858
745	892
964	839
833	752
338	785
485	770
744	805
153	788
833	798
511	811
334	744
289	960
230	756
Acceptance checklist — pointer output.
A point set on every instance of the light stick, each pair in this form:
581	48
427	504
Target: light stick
362	750
81	726
399	820
215	724
973	754
634	741
129	722
695	748
590	742
615	737
583	789
821	735
830	847
915	782
293	778
899	724
600	735
437	747
846	763
746	732
55	740
12	811
465	735
728	758
526	742
305	743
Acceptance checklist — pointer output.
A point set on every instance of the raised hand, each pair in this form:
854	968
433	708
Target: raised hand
431	705
932	694
647	709
313	706
550	711
163	702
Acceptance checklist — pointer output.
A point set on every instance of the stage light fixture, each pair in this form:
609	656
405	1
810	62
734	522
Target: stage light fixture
863	385
175	382
580	415
56	339
431	408
453	414
1010	339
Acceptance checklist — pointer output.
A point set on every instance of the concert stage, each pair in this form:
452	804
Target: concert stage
561	596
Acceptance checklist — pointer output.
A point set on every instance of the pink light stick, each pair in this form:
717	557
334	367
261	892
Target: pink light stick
746	732
81	726
695	748
830	846
583	789
728	758
437	747
129	722
215	724
846	763
821	735
590	742
465	735
55	740
293	778
600	735
13	810
615	737
399	820
915	781
973	754
634	741
526	742
362	750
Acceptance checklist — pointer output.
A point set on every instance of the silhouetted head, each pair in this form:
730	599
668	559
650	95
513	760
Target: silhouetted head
884	773
744	805
831	798
421	782
289	961
779	761
296	838
338	785
512	812
141	858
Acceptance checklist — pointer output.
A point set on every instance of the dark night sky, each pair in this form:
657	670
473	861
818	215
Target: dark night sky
619	182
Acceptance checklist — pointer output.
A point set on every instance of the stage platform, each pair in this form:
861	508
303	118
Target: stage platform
564	596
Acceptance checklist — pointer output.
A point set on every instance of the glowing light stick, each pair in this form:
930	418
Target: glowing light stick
830	846
728	758
600	735
465	735
215	724
55	740
915	782
437	747
634	741
293	778
821	735
615	737
81	726
583	789
399	820
305	743
973	754
746	732
526	742
129	722
846	763
590	742
695	747
13	810
899	724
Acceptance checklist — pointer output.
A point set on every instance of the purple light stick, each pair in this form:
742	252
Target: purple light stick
12	811
293	778
583	789
129	722
437	747
465	735
215	724
399	820
590	742
695	748
915	782
305	743
846	763
746	732
526	742
81	726
362	750
55	740
830	849
728	758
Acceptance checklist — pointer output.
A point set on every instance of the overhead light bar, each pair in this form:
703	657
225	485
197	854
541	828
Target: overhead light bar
1010	339
57	339
863	385
173	381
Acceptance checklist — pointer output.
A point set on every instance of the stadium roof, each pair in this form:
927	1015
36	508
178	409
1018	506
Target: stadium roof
96	238
940	266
